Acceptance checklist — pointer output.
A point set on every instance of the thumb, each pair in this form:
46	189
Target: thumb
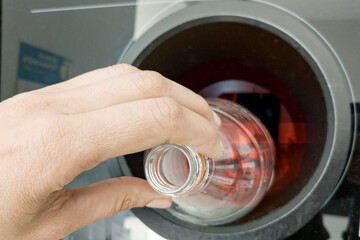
88	204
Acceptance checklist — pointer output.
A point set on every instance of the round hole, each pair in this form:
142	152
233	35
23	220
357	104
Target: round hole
273	75
174	167
265	74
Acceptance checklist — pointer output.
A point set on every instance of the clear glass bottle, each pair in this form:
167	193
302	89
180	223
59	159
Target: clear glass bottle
216	191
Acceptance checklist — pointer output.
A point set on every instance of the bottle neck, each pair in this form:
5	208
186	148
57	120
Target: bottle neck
176	170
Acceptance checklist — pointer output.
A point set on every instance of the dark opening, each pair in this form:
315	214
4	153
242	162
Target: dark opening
261	71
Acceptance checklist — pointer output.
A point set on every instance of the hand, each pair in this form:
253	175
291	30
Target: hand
51	135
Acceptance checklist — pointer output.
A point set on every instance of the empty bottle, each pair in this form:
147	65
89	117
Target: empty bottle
209	191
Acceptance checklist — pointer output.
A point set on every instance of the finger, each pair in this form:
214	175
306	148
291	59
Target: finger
92	77
136	126
127	88
78	207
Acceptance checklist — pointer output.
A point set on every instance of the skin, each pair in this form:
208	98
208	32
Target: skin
51	135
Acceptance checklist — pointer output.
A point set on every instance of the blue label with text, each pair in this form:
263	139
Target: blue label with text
41	66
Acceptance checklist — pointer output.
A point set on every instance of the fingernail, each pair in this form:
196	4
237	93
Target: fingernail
217	119
159	203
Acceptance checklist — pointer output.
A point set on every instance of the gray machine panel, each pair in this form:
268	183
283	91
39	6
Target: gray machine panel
97	37
339	23
90	38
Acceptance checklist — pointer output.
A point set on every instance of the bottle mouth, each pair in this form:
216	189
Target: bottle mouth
173	169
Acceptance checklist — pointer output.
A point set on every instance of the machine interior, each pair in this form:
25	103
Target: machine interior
266	72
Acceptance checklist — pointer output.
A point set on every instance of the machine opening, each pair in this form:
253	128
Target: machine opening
261	71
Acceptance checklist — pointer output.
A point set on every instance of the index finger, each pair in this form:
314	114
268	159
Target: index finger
137	126
92	77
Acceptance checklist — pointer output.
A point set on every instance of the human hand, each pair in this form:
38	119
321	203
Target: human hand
51	135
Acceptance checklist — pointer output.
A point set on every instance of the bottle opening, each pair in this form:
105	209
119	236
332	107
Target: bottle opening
173	167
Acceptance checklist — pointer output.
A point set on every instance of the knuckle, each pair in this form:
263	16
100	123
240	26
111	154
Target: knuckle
30	101
121	69
123	203
167	112
203	107
151	81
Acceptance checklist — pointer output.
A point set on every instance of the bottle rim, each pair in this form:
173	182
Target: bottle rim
155	174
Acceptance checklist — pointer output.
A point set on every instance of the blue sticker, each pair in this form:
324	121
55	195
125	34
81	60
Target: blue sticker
41	66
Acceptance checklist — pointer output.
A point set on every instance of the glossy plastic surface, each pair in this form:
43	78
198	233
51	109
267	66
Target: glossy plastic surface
216	191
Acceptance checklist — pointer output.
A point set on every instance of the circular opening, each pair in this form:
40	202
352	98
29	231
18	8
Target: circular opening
270	75
174	167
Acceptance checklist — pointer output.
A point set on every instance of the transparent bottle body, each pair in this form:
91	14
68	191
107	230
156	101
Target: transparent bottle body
216	191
